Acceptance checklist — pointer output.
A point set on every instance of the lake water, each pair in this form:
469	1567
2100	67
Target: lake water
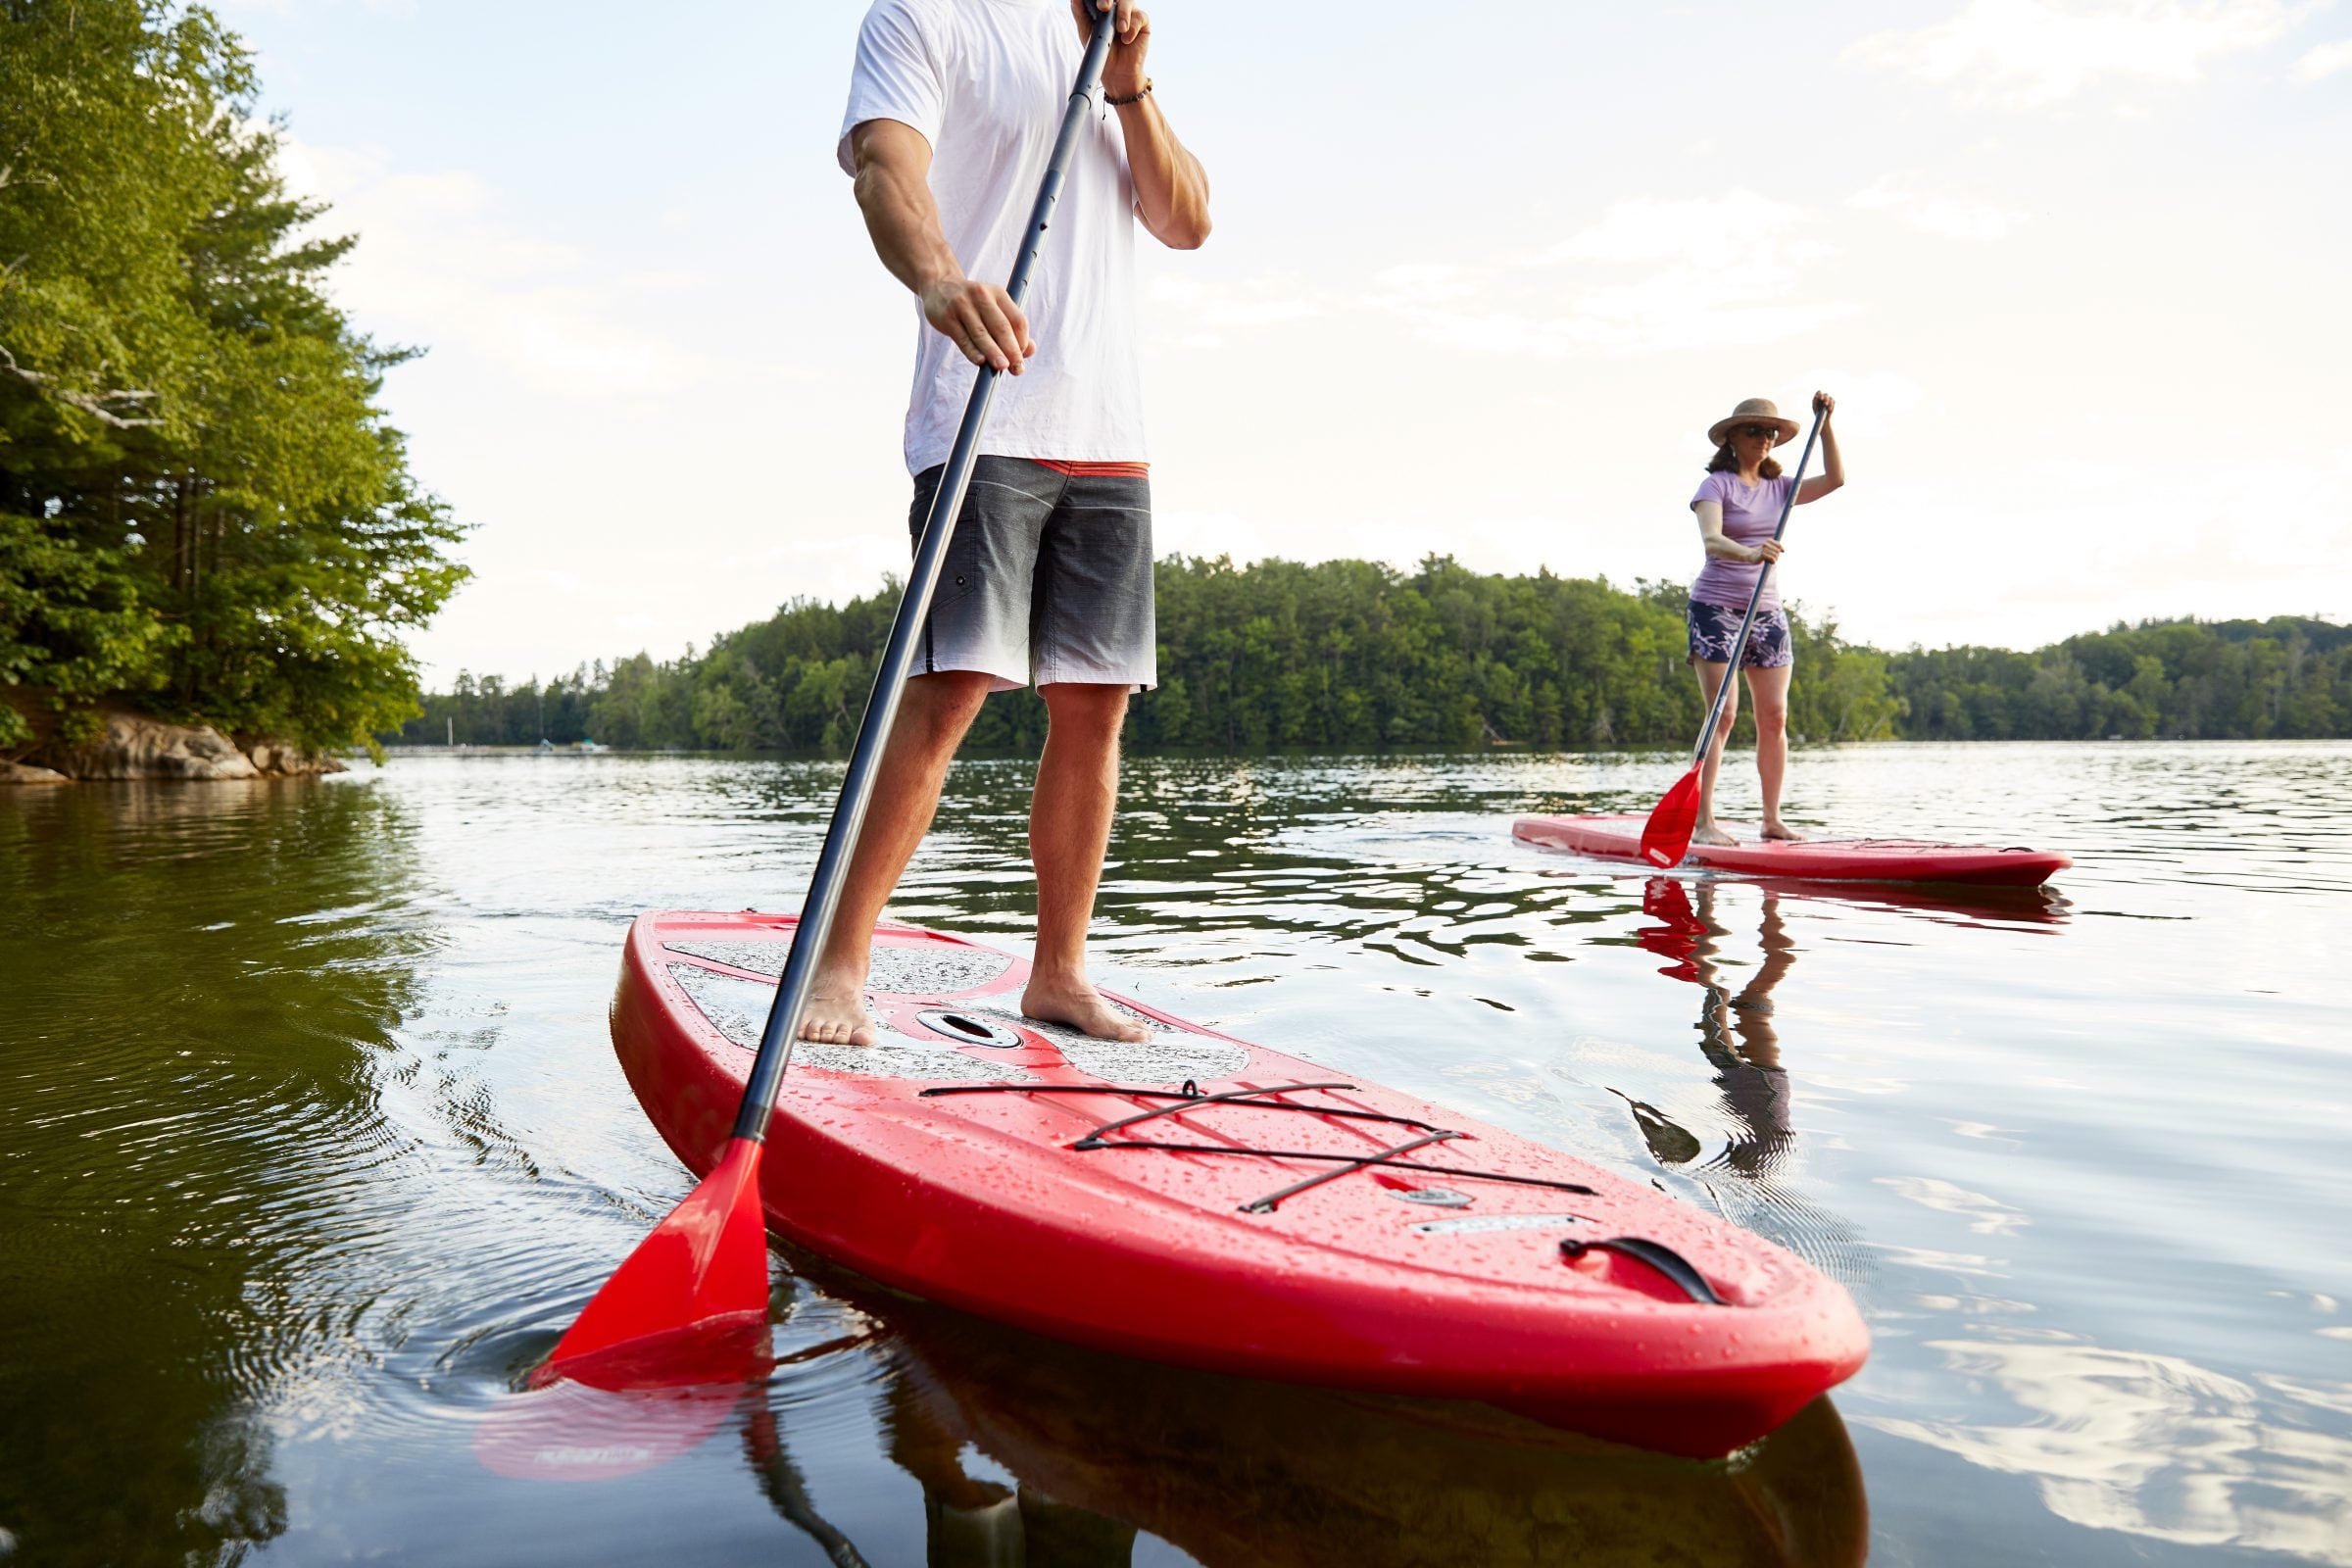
311	1139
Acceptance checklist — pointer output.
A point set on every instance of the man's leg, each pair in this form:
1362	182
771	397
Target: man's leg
933	715
1069	829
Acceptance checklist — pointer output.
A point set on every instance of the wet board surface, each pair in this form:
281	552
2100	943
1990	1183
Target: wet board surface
1816	860
1202	1200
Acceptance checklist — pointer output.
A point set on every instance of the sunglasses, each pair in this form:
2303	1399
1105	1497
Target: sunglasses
1759	429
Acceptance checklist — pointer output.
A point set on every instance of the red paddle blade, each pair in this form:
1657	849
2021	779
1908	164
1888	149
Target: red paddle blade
702	1272
1666	836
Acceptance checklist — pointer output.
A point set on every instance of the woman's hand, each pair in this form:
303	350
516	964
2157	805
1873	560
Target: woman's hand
1769	550
1832	467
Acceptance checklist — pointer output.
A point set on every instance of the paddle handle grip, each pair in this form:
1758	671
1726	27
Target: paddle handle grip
1755	595
823	898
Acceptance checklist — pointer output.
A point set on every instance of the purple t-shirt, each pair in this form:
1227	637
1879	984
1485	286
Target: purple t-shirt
1749	515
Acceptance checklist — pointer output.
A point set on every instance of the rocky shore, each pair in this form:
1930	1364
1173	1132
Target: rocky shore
132	747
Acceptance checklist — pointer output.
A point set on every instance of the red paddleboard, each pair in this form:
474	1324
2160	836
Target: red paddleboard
1809	860
1201	1201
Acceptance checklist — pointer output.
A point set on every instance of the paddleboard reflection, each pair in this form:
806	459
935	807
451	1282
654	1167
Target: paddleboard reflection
1236	1471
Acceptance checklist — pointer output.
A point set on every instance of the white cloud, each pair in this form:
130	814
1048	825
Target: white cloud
2027	53
1869	403
1651	274
1694	230
1949	217
436	263
2324	61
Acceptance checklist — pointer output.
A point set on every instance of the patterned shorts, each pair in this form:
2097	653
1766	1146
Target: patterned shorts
1713	626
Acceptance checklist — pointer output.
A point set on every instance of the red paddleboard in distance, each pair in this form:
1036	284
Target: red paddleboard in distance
1827	859
1201	1201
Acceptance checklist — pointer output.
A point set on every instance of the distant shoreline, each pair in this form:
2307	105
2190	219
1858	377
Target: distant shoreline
1356	656
1015	753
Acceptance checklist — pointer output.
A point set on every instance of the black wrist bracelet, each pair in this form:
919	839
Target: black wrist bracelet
1141	93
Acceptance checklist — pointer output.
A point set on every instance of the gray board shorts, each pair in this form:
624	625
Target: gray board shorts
1047	577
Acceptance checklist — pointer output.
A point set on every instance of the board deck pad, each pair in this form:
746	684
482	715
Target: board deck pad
1812	859
738	1007
1207	1202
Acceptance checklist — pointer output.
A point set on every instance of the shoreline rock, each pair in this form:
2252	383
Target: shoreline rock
136	747
133	748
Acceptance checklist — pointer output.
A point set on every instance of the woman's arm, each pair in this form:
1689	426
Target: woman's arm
1722	546
1833	472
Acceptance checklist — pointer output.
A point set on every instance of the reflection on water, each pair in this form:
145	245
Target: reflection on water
1736	1030
310	1140
193	981
1744	1177
1099	1450
2159	1446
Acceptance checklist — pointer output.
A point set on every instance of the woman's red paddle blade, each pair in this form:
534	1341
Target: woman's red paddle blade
1666	836
703	1269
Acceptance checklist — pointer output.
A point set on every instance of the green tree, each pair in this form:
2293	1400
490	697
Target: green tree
201	508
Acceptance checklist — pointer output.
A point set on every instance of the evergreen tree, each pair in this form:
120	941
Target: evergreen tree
202	508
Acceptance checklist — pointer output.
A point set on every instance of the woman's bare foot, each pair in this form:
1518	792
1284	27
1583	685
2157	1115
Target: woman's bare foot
836	1014
1709	833
1775	828
1071	1000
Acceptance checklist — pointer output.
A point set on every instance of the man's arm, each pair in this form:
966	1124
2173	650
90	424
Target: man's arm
894	191
1171	188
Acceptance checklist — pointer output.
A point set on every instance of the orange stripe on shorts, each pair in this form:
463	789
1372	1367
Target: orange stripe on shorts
1095	470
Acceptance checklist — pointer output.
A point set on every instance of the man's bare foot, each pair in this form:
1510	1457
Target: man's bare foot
1073	1000
1709	833
1777	829
836	1014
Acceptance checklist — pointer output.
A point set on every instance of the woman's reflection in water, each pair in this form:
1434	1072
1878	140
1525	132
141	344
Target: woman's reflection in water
1740	1041
1735	1028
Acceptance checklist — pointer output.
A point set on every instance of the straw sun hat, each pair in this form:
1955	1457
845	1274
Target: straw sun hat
1753	411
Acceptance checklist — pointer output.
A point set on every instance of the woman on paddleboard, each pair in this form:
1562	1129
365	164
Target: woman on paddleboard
1739	505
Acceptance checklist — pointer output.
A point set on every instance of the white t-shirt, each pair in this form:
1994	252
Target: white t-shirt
986	81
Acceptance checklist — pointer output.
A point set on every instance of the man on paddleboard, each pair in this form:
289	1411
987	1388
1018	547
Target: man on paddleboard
953	106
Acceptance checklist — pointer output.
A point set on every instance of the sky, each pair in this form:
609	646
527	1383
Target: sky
1481	279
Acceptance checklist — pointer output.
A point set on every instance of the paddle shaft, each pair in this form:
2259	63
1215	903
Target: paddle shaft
1755	597
898	657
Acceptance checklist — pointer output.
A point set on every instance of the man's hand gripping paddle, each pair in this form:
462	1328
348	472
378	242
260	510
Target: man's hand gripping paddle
704	1270
1666	836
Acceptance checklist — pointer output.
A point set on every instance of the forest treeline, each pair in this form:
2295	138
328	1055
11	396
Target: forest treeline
1357	656
202	512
